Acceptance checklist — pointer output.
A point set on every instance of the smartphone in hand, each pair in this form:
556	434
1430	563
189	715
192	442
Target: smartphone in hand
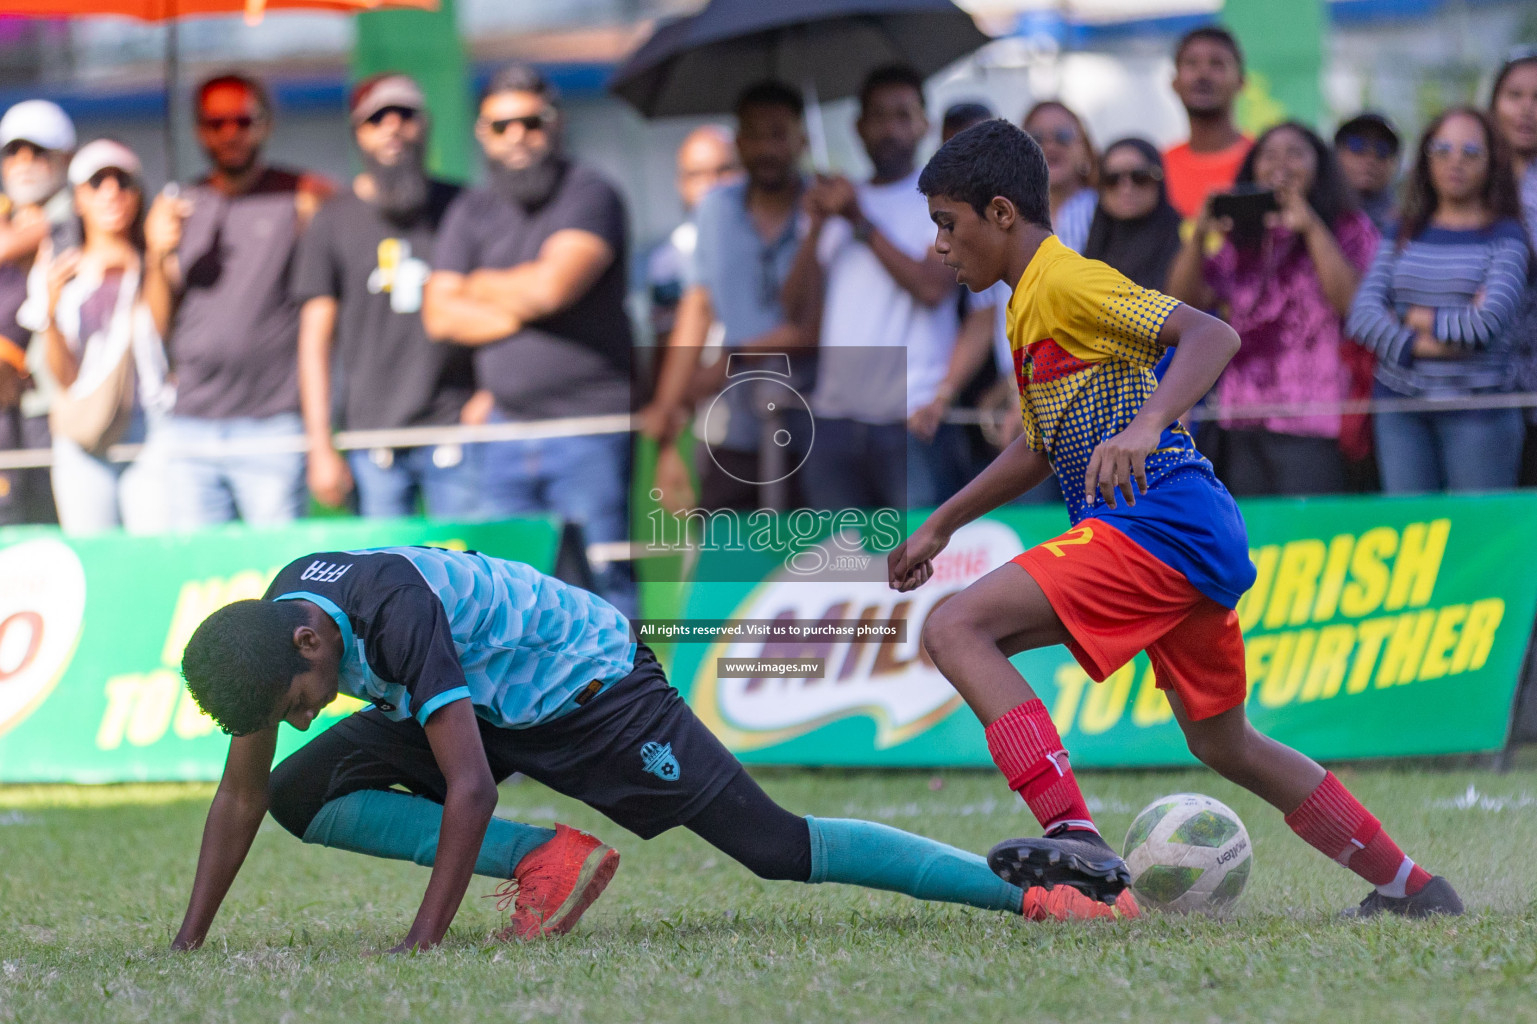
1245	205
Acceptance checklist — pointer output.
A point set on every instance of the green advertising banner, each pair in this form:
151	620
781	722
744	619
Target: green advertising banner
1377	627
92	629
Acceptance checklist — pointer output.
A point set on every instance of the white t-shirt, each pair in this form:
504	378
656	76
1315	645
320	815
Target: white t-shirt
865	310
129	326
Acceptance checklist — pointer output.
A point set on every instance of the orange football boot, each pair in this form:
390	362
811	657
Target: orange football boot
555	883
1064	903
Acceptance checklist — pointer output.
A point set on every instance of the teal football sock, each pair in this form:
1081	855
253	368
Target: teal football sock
880	857
388	823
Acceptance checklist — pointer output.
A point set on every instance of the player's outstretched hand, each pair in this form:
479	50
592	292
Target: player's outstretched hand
1119	463
911	563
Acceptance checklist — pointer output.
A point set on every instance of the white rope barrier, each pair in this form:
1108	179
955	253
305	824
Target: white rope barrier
352	440
621	423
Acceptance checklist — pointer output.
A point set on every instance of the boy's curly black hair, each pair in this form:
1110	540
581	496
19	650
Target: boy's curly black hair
241	661
989	159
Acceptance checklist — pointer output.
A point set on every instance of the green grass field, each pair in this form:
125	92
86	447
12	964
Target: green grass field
96	880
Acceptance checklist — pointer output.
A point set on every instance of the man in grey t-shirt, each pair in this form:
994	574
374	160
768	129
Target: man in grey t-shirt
530	270
216	278
360	270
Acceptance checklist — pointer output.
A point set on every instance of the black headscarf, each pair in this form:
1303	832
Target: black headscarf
1143	248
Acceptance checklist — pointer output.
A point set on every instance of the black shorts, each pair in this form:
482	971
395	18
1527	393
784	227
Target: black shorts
635	752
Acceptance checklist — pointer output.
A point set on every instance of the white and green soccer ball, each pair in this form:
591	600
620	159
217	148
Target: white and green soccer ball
1188	852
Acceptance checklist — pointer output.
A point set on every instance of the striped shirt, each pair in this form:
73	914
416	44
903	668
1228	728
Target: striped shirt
1073	218
1473	279
1524	333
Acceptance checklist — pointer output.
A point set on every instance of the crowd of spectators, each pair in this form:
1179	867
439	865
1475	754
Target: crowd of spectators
217	324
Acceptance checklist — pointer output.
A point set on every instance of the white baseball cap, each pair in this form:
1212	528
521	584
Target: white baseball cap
39	122
98	156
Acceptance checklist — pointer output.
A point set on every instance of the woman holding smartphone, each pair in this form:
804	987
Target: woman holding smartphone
1437	308
1284	280
102	348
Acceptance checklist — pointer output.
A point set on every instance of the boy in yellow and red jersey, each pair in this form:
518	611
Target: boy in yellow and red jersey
1157	556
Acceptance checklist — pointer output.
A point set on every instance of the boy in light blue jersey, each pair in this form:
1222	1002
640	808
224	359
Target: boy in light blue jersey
477	668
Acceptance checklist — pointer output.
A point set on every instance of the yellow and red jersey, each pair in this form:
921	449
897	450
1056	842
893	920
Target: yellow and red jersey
1085	341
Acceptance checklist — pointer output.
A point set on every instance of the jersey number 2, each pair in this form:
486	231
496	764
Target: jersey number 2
1072	538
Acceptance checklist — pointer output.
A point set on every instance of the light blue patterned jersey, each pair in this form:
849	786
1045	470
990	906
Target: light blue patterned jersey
424	627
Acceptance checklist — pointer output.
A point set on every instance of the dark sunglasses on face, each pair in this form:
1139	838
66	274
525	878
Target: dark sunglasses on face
1140	177
378	116
531	123
123	178
1359	145
217	124
1471	150
1062	137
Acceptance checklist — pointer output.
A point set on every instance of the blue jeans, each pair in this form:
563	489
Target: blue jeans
882	465
583	480
95	495
389	481
1474	450
207	488
857	465
936	469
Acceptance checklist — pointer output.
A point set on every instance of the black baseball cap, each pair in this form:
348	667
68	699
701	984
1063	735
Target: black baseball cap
1369	123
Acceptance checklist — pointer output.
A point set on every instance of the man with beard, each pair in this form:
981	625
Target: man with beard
867	273
360	271
37	140
530	269
1208	74
216	274
748	232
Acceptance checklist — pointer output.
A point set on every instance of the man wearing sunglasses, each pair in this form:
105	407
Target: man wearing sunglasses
1367	146
217	259
37	140
360	271
529	269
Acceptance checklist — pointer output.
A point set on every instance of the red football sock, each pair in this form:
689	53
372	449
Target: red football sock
1027	749
1334	823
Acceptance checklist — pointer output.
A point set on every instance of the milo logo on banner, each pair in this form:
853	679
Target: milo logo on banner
42	608
890	679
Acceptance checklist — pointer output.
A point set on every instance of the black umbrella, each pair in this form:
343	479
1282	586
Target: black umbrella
698	65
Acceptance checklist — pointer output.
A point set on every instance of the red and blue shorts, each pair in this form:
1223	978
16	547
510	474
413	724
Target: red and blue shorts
1116	599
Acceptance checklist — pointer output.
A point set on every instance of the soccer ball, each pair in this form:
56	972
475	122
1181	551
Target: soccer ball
1188	852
